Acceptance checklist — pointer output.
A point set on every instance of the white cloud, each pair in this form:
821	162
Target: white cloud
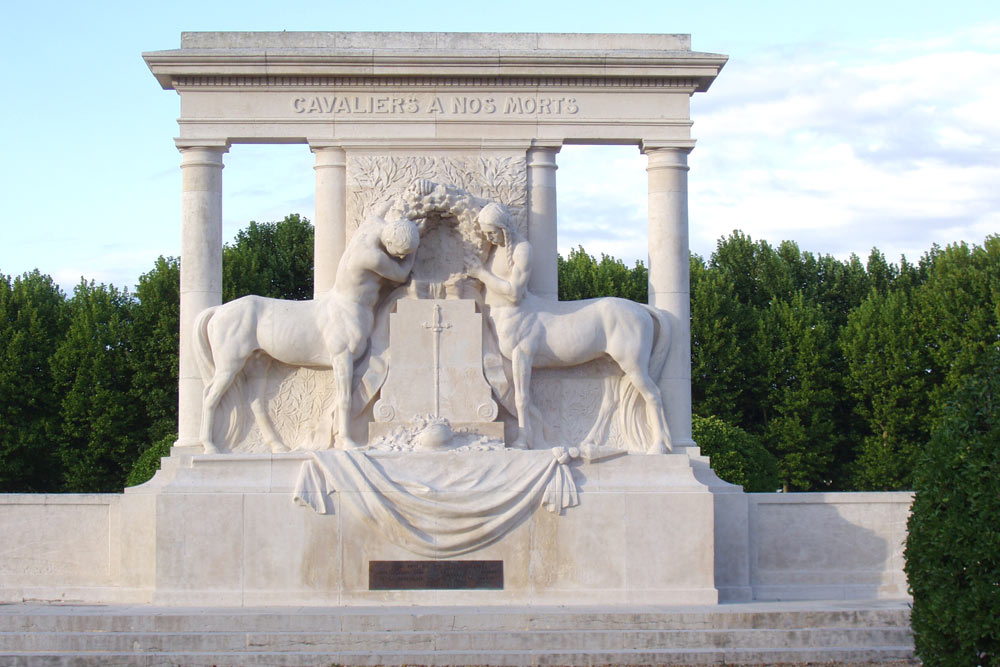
895	148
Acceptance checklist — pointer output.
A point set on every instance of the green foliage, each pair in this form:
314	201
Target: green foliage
797	346
913	341
953	546
272	259
149	461
887	377
751	304
100	431
32	321
155	348
737	457
836	367
581	276
725	364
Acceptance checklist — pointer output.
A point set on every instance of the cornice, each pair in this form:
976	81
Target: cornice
185	81
694	68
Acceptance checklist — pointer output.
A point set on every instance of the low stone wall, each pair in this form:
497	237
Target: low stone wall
789	546
827	546
64	547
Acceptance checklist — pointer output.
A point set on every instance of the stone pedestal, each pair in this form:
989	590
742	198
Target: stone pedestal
223	530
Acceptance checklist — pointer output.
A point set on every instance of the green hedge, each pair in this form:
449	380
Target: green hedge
149	461
953	547
737	457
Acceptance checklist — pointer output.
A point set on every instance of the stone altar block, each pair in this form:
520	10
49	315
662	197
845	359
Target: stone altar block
448	333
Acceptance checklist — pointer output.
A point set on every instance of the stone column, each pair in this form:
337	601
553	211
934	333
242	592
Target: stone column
669	279
201	271
331	215
542	221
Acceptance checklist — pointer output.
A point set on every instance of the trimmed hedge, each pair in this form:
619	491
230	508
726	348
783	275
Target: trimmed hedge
737	457
149	461
953	547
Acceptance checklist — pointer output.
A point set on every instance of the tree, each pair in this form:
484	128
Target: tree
797	346
887	377
953	543
155	347
101	428
272	259
737	457
32	321
725	364
957	311
581	276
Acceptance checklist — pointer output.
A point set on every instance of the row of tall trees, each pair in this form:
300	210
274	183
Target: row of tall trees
839	368
808	372
88	382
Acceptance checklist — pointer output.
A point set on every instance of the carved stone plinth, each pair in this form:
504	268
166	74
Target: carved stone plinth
224	530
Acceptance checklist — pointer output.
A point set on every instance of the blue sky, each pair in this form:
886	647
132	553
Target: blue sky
841	126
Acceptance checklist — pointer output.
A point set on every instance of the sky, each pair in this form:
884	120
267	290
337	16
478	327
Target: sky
840	126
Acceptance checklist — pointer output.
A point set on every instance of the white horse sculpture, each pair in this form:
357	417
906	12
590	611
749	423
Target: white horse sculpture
541	333
329	332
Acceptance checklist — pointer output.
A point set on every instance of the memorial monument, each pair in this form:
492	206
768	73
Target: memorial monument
435	427
435	400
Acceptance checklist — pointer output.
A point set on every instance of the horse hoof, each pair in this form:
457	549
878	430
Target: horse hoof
210	448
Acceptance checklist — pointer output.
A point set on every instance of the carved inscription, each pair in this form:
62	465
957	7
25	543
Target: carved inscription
456	105
448	575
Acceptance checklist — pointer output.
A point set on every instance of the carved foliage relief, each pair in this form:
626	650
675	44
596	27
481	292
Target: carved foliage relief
373	180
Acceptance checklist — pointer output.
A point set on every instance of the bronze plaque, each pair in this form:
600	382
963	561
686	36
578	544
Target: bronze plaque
441	575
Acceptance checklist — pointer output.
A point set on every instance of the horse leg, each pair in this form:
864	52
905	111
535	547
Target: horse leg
225	373
259	408
654	409
595	436
343	371
521	368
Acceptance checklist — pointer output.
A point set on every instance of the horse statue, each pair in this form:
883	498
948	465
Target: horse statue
540	333
329	332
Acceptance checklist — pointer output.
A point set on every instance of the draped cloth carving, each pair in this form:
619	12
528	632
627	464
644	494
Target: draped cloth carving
439	504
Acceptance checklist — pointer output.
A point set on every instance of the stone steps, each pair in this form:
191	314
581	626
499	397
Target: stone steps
733	634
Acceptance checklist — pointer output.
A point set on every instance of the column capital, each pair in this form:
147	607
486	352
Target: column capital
328	156
543	157
650	147
205	144
667	158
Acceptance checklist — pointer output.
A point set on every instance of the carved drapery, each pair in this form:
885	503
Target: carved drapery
439	505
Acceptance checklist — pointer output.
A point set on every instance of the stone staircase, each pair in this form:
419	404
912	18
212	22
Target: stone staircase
752	633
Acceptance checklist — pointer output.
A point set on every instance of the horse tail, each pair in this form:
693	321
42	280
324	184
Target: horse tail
202	348
631	417
631	406
661	342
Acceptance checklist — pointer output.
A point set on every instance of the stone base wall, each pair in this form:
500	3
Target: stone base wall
223	531
827	546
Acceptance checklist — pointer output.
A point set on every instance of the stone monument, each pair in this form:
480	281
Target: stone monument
449	430
435	427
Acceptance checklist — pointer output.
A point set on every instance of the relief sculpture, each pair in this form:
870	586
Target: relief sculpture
329	332
429	246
